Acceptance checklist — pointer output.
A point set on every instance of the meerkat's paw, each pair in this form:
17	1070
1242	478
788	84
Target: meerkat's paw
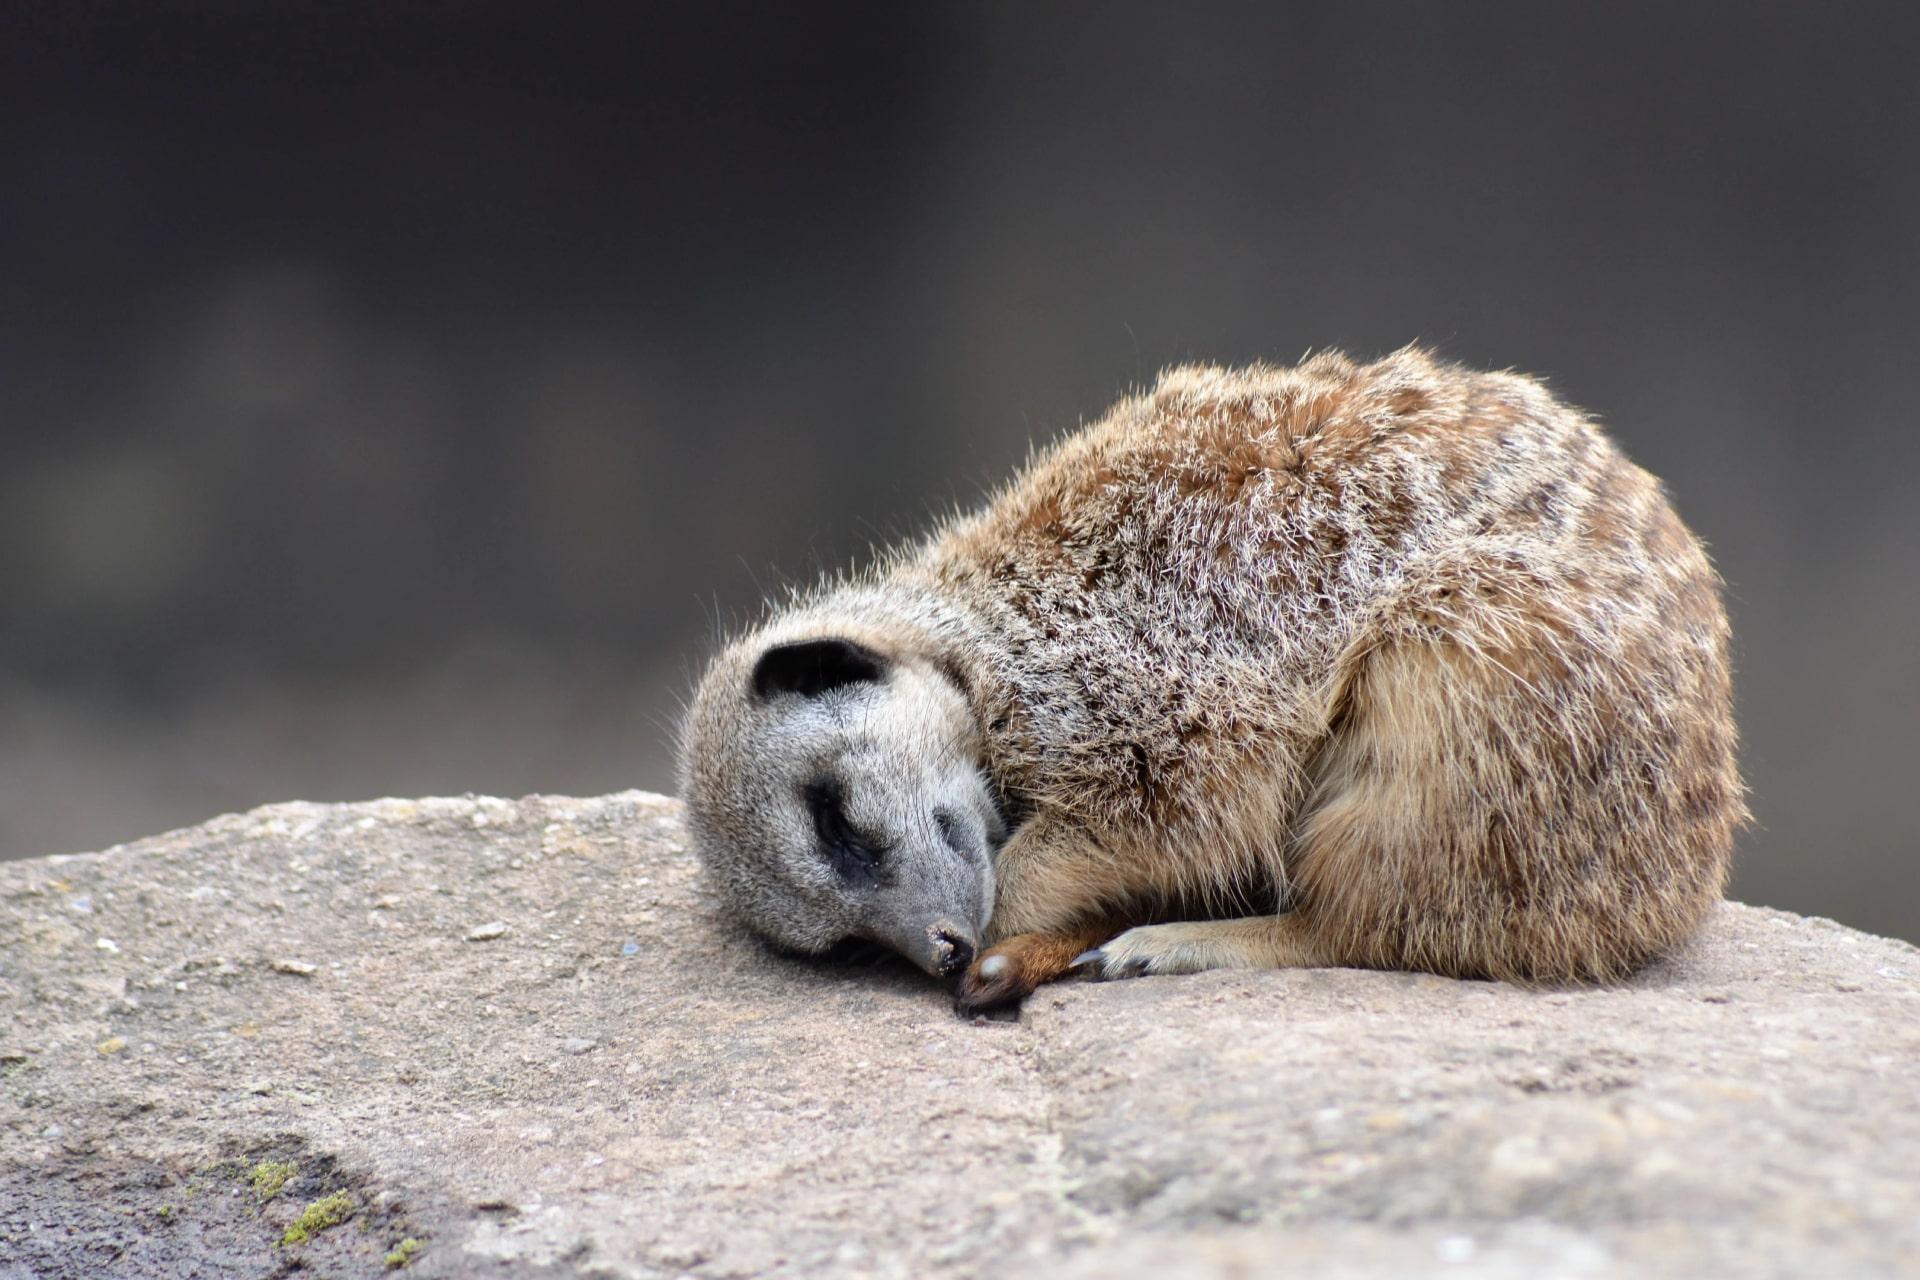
1260	942
994	979
1160	948
1010	970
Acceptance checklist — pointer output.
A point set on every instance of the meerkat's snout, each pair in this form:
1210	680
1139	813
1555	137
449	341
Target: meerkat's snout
934	912
943	949
950	952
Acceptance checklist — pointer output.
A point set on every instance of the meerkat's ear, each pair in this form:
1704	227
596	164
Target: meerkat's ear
811	667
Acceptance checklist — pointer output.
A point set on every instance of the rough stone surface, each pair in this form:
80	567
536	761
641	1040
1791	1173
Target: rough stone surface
614	1083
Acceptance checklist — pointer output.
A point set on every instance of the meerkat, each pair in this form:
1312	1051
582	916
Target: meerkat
1392	665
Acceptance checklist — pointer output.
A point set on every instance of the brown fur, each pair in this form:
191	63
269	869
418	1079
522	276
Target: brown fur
1404	663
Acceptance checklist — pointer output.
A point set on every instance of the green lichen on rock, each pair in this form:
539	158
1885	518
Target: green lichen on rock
269	1176
327	1211
401	1254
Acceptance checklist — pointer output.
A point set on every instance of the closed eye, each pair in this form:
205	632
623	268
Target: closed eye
958	838
856	857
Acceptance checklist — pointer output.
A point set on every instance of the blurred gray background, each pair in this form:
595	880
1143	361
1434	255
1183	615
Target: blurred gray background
399	398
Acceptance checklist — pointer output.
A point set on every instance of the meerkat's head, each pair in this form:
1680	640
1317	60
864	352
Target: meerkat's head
834	791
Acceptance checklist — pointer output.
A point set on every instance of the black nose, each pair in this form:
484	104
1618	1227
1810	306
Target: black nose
951	952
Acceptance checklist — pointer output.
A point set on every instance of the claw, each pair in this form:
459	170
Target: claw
1088	957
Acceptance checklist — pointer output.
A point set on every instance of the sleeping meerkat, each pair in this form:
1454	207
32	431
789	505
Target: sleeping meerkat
1393	665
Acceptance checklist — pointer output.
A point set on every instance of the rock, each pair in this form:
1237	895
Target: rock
1747	1107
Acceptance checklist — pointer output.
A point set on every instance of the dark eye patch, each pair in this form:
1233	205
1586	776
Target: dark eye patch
855	857
959	838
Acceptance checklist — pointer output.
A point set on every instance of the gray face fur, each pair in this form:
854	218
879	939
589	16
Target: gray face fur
834	793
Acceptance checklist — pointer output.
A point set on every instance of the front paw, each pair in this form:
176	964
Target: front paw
995	978
1010	970
1159	948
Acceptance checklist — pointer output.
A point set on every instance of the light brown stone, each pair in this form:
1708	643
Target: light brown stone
1750	1107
